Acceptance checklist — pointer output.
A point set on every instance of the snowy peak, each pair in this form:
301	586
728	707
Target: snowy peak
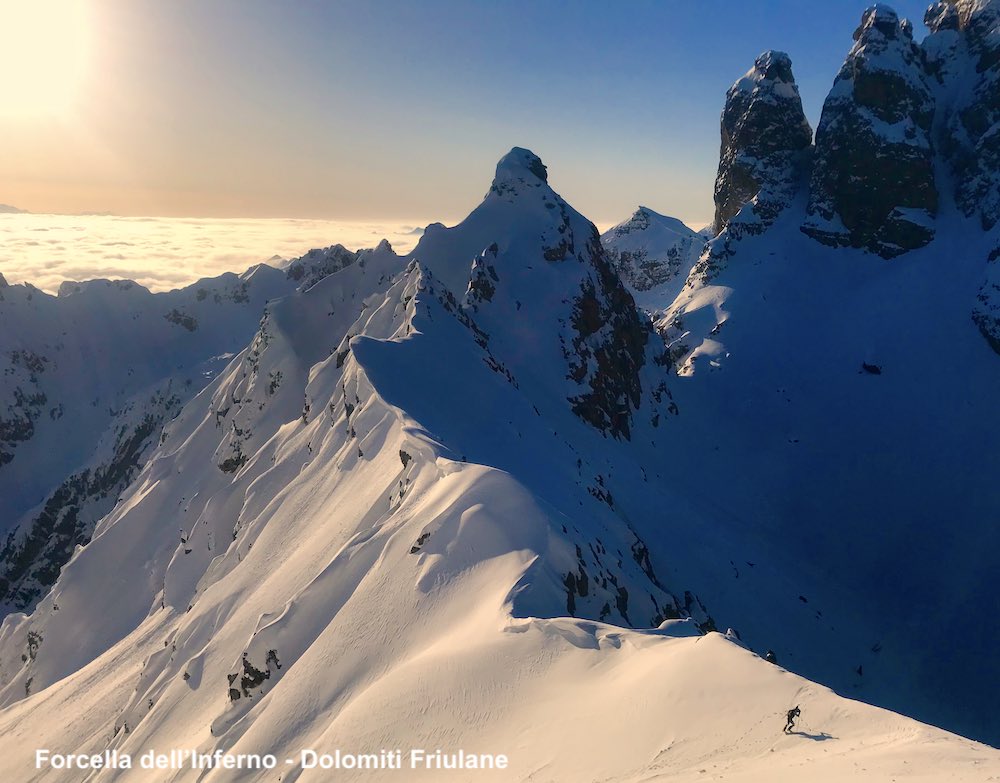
884	42
961	15
652	254
99	288
943	16
519	203
883	20
524	256
644	219
771	66
519	166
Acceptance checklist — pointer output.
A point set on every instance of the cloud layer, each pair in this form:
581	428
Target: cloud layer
166	253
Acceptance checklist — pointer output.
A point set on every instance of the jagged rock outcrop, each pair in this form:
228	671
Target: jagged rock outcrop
764	137
963	57
309	269
963	53
873	176
986	311
766	148
33	553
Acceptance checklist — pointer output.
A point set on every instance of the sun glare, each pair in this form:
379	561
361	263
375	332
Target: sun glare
43	53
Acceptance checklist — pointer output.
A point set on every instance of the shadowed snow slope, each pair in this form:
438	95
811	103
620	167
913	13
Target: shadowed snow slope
851	407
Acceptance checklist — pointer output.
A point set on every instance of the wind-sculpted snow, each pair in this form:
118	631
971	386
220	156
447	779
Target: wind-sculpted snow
309	269
91	376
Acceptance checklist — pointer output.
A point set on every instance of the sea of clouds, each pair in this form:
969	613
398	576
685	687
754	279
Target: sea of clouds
166	253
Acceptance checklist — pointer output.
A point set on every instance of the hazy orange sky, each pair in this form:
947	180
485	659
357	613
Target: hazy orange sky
359	110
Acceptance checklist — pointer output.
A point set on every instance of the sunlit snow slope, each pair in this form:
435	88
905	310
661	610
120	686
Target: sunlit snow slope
89	377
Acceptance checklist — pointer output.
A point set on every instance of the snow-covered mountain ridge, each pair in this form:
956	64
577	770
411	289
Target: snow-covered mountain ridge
474	498
395	501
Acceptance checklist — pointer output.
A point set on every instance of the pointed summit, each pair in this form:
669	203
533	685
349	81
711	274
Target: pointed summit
764	132
526	256
519	196
652	254
519	167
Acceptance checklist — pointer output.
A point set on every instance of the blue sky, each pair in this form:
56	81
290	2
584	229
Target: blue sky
399	110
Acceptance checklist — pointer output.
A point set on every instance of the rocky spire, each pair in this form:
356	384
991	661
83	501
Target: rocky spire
963	51
963	54
764	136
873	178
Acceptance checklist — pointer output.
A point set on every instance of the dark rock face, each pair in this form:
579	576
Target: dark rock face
986	311
608	347
963	56
873	178
483	278
764	136
963	51
766	149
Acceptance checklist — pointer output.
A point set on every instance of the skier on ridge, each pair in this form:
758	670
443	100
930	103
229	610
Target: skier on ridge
792	715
